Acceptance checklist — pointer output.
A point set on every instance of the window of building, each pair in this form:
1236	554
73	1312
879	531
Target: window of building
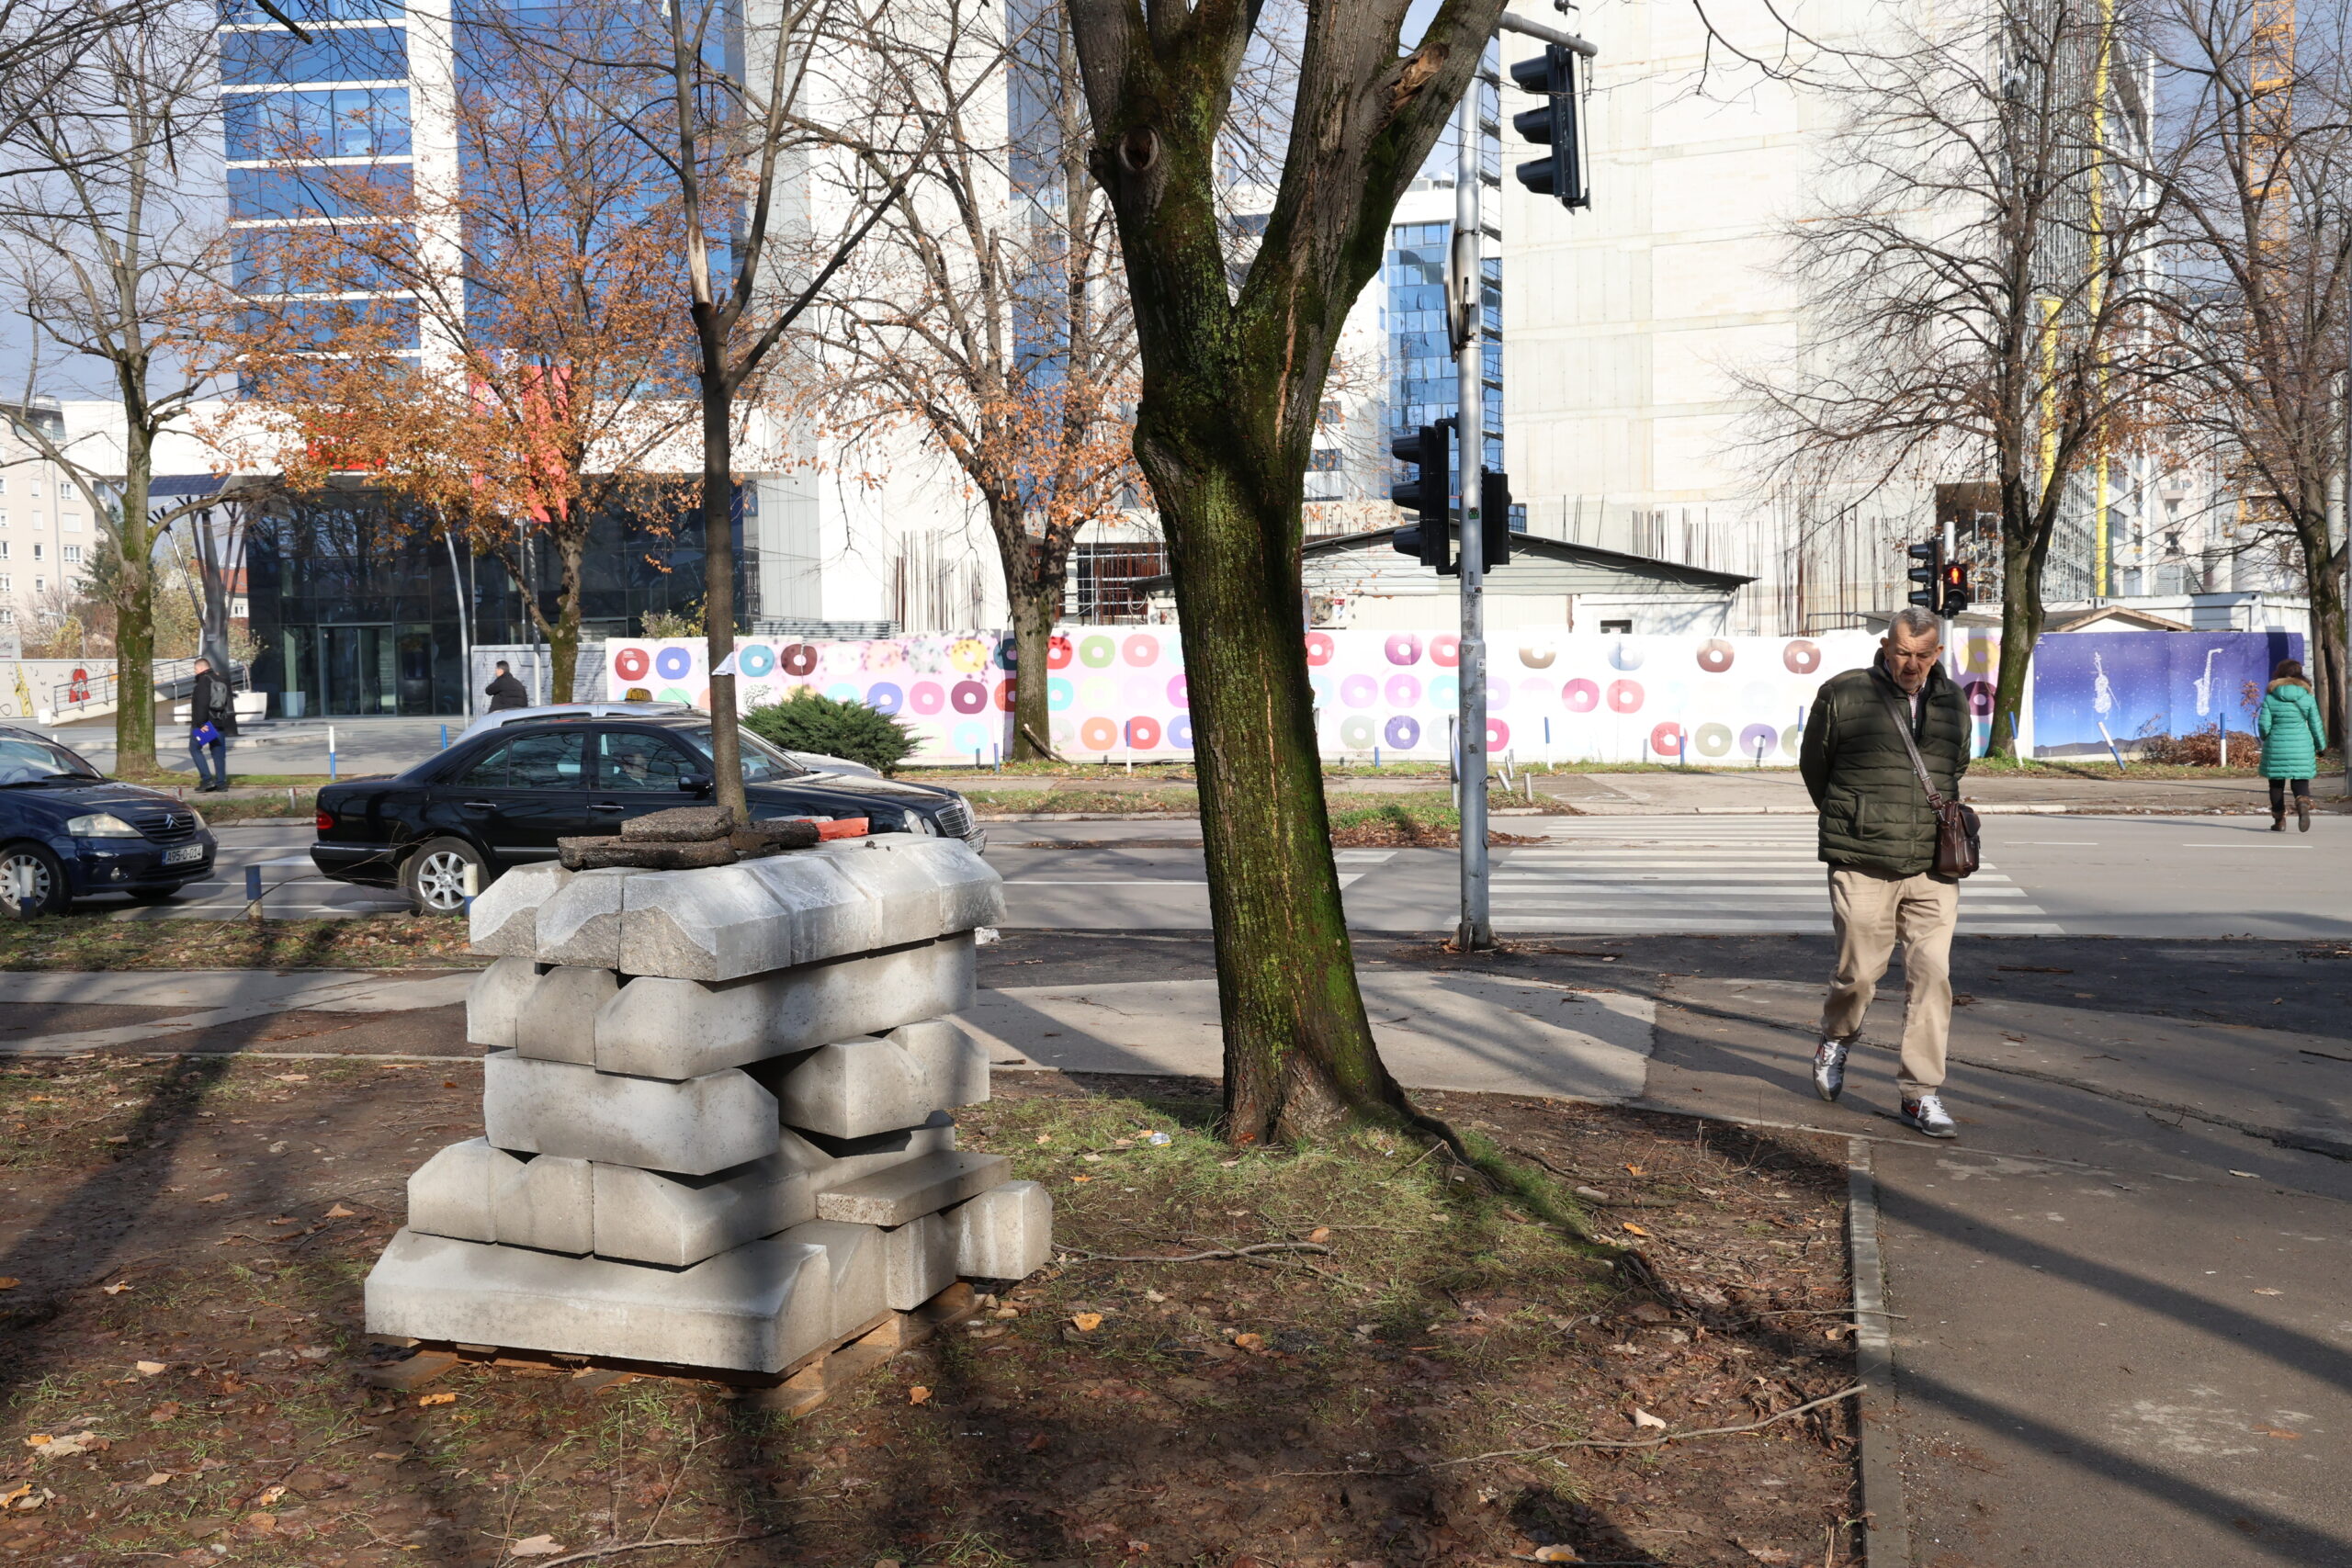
4	550
1625	627
270	56
36	549
1323	460
39	583
6	583
1101	588
367	190
325	123
73	555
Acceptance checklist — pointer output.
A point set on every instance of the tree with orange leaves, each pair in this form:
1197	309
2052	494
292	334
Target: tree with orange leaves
986	313
493	347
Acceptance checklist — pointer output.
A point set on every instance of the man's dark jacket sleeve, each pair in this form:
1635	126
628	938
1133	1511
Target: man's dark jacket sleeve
1813	754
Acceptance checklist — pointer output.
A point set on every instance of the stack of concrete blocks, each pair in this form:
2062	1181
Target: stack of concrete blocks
716	1114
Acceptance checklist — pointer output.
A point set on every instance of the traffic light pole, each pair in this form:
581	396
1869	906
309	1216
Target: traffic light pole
1475	932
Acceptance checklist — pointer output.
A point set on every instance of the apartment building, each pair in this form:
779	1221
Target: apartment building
46	534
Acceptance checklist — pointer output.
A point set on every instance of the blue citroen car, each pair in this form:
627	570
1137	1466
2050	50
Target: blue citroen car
68	831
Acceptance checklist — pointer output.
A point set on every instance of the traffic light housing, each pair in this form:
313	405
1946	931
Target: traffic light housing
1955	588
1928	572
1560	173
1494	518
1427	495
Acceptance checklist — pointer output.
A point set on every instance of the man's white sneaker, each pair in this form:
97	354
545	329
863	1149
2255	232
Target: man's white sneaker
1927	1114
1830	1068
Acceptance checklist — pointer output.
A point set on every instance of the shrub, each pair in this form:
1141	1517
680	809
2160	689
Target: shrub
808	722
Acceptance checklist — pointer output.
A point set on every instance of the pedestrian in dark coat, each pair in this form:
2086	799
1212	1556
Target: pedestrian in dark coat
504	691
212	718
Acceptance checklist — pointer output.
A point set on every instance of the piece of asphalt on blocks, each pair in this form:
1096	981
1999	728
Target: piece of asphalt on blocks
694	1127
676	1221
917	1261
677	1028
451	1194
853	1263
545	1203
906	1192
496	1000
503	922
836	1162
757	1308
558	1022
1006	1233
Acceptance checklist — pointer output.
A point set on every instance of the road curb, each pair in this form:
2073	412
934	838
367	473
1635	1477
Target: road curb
1886	1521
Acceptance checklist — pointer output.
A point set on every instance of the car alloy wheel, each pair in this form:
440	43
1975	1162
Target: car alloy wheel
438	879
29	884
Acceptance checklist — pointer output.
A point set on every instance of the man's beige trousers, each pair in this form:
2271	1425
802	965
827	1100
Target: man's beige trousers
1874	912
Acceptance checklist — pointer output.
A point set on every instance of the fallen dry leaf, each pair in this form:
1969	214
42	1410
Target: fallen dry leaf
116	1288
2280	1432
215	1198
1633	1229
918	1394
66	1447
166	1411
1087	1322
1554	1554
423	1399
1643	1418
535	1546
1320	1233
9	1282
1633	1169
291	1077
159	1478
1251	1341
149	1369
340	1213
268	1496
26	1498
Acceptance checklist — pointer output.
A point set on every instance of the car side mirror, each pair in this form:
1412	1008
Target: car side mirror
694	783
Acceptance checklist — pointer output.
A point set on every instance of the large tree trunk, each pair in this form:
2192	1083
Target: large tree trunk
2324	574
2024	549
718	568
1299	1058
1033	575
563	637
134	632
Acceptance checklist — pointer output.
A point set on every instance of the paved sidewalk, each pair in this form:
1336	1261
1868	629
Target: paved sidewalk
153	1003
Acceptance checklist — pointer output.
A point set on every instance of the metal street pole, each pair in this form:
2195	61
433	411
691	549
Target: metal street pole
1475	931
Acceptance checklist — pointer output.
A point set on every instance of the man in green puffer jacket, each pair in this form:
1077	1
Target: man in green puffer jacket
1878	833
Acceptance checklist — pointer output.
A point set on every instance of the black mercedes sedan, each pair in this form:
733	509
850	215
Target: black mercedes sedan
504	797
68	831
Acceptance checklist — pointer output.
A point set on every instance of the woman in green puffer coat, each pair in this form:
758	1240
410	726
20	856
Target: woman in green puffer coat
2292	739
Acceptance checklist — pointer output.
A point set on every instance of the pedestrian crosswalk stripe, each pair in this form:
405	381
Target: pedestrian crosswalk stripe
1703	876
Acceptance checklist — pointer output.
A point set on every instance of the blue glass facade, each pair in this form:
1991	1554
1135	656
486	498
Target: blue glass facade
1422	387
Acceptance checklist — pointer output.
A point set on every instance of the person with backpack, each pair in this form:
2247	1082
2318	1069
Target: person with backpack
212	718
1884	749
2293	736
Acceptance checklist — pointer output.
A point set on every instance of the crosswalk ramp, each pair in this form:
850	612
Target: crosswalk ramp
1700	874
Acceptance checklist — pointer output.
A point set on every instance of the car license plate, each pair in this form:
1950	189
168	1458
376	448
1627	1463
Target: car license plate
181	854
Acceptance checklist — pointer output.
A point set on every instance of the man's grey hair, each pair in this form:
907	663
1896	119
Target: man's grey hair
1913	622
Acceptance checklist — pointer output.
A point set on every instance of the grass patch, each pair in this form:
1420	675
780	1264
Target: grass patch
2103	770
1406	821
88	940
1154	802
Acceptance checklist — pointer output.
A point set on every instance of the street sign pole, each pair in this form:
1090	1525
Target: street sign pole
1467	286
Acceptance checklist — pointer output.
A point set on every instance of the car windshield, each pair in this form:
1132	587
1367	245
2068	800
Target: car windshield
763	763
24	760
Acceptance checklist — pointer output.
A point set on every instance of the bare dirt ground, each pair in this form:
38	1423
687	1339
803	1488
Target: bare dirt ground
183	1242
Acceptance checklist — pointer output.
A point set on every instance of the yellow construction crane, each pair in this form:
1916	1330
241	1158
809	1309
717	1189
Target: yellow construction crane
2270	148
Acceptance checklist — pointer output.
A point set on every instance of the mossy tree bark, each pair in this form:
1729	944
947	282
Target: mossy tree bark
1233	377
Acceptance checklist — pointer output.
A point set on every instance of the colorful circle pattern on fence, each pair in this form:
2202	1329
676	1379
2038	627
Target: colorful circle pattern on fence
1119	690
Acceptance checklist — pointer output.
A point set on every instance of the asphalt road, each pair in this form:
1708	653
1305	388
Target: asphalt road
2117	877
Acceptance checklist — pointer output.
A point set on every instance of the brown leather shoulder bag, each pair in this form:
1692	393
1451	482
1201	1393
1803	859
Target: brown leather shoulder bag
1957	826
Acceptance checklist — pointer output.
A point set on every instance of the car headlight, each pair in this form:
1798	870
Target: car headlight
100	825
200	823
